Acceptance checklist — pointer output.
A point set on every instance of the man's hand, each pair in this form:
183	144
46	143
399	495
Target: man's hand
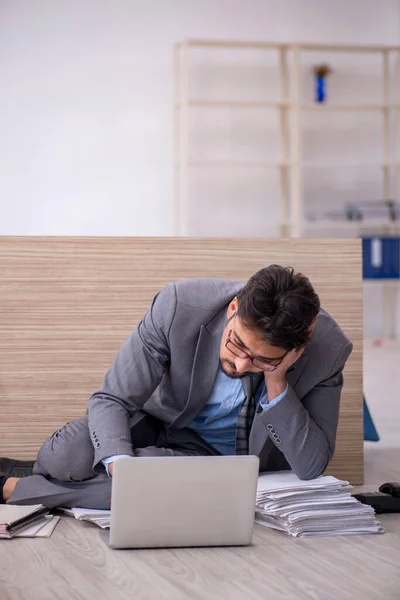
276	380
110	468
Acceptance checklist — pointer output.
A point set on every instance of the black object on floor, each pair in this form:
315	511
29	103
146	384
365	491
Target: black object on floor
387	500
3	479
391	488
16	468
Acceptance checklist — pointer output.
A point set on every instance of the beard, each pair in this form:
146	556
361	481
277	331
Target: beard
229	369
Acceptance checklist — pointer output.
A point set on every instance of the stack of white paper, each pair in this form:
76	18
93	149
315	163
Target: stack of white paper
317	507
98	517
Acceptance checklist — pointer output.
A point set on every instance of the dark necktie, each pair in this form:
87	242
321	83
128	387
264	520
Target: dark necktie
246	413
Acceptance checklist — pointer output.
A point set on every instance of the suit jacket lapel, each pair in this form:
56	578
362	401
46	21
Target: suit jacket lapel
204	371
259	436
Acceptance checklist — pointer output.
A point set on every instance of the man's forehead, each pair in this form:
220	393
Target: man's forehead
254	341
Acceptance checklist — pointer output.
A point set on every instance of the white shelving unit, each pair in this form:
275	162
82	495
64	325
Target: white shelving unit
291	107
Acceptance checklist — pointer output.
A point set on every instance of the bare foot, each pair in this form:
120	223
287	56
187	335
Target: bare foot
9	487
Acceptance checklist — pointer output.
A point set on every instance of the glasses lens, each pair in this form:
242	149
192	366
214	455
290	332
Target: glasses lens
264	366
235	350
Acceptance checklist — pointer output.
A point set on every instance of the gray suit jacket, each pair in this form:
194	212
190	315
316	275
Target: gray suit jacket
168	365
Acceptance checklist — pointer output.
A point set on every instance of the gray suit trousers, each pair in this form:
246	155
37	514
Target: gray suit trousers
63	472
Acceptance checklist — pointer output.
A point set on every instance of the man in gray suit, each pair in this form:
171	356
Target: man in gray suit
214	367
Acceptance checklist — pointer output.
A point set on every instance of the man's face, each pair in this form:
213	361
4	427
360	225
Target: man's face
245	341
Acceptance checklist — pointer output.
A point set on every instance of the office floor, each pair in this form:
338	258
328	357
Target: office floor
75	563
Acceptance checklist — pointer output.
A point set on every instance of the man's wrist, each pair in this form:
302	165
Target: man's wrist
275	388
108	462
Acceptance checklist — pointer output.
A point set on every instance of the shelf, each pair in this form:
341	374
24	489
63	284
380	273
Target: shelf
344	48
310	106
364	224
234	104
289	163
196	43
228	163
202	43
349	164
346	107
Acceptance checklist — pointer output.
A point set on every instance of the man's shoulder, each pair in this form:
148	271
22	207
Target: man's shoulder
328	339
206	293
326	325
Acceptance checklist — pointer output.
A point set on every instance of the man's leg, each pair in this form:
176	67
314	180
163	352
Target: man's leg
37	489
177	442
63	472
68	455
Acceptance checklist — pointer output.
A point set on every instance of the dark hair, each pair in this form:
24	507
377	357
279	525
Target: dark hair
279	304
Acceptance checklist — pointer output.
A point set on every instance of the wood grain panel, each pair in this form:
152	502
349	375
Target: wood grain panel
67	304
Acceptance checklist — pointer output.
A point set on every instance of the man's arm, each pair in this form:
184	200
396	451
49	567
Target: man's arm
305	431
136	372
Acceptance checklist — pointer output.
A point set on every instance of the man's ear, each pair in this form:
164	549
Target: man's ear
232	308
312	326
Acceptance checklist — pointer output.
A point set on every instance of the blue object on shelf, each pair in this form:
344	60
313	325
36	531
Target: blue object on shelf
320	88
381	258
370	433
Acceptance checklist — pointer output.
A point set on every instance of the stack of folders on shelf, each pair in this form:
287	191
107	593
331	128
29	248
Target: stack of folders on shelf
314	508
26	521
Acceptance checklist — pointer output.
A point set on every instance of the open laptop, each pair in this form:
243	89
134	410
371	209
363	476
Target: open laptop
166	502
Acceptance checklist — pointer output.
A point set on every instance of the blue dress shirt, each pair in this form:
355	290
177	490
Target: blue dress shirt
216	423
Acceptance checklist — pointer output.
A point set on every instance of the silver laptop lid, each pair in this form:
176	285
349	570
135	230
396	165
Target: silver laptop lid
183	501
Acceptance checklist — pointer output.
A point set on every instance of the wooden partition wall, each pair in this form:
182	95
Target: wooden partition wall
67	304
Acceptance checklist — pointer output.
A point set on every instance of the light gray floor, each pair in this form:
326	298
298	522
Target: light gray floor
76	564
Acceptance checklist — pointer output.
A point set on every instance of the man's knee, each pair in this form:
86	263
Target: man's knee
68	454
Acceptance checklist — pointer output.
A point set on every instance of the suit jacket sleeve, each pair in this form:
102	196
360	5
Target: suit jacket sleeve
305	430
137	370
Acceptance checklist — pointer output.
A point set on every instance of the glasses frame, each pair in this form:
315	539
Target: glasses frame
236	351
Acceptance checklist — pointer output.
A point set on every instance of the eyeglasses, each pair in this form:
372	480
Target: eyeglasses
263	364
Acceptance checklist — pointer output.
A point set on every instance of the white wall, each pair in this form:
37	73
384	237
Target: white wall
86	99
86	102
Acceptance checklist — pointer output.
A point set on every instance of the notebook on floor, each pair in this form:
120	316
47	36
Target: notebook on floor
14	518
